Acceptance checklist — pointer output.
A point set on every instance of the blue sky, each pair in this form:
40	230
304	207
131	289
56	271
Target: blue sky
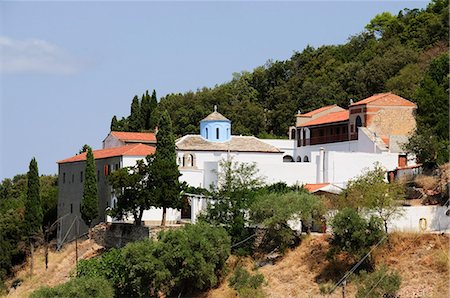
67	68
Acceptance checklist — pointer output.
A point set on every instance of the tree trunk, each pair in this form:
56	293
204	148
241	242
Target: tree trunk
138	219
31	257
163	221
385	226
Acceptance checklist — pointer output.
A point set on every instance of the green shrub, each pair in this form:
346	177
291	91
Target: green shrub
380	283
82	287
186	259
246	284
353	234
326	288
194	255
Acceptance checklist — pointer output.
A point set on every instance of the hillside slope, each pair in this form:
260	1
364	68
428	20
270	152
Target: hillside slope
421	259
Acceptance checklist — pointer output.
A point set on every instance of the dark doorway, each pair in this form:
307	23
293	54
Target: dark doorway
186	209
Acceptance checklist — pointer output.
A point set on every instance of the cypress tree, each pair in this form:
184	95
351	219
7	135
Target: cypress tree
135	121
33	209
145	110
164	169
114	124
153	105
89	202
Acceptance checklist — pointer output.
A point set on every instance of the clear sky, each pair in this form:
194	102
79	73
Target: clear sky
67	68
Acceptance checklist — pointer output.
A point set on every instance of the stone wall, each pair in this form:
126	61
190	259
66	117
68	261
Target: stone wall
117	235
388	121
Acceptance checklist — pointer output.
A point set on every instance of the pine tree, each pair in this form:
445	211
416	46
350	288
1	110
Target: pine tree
114	124
89	202
145	111
135	121
164	171
33	209
153	116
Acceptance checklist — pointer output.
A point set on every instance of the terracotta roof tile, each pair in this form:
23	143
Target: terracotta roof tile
312	187
328	118
316	111
127	150
385	99
134	136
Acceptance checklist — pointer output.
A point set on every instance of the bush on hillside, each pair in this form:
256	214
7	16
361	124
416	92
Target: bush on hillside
353	234
82	287
381	283
194	255
187	259
246	284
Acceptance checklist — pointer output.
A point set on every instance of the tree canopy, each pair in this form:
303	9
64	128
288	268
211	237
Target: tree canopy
89	201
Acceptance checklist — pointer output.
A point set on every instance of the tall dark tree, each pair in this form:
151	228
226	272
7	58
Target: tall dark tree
135	119
163	170
89	202
114	124
145	110
153	106
33	209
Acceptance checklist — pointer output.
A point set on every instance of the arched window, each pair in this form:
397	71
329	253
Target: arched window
179	161
293	134
190	160
299	159
288	158
217	133
207	132
358	122
306	159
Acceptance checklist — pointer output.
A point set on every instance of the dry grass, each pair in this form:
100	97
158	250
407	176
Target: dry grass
421	259
427	182
60	265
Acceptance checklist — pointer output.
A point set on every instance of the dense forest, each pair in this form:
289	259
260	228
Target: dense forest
392	53
405	53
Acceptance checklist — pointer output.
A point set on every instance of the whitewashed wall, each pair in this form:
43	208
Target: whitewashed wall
351	146
435	216
287	146
343	166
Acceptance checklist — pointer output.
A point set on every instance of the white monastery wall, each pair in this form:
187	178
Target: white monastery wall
343	166
351	146
434	219
287	146
290	173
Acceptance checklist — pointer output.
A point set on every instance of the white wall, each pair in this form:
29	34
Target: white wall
351	146
289	172
343	166
436	219
287	146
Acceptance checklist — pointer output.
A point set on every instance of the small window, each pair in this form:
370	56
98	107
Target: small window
71	208
321	132
98	174
64	177
207	132
299	159
217	133
73	178
358	122
81	176
306	159
338	130
117	166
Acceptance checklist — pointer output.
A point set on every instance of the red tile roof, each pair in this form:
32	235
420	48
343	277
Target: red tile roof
328	118
385	99
127	150
134	136
316	111
312	187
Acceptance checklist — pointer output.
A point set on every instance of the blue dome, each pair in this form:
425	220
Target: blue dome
215	128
